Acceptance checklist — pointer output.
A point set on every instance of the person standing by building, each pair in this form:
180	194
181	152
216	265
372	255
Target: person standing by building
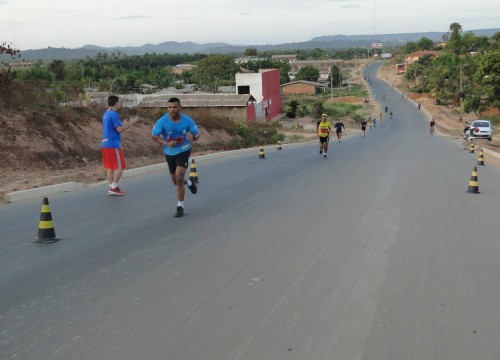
176	131
339	125
111	146
323	130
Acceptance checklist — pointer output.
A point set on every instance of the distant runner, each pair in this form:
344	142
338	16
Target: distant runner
338	129
363	128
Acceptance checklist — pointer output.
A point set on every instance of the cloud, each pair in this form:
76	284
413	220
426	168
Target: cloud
132	17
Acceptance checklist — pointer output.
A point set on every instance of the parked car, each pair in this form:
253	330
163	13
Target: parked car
481	129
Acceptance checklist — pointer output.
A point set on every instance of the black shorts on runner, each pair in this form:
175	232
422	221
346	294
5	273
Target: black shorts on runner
339	131
323	139
181	160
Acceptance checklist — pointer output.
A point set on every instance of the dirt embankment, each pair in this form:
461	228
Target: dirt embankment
41	147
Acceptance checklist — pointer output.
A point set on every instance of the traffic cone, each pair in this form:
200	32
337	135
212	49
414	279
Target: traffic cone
193	172
261	153
473	185
279	145
471	148
480	159
46	231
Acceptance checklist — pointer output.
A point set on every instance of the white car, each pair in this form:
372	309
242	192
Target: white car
481	129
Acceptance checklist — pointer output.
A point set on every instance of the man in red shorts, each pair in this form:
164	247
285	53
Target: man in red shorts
111	144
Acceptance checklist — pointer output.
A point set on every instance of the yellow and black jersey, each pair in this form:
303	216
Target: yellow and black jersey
324	128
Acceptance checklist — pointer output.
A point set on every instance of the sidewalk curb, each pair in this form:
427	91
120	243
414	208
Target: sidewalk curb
44	191
491	153
41	192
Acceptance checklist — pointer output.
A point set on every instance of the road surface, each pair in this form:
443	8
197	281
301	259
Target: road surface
378	252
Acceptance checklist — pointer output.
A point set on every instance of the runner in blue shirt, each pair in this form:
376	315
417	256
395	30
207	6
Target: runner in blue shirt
175	132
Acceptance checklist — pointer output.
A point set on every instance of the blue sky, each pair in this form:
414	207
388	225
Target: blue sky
36	24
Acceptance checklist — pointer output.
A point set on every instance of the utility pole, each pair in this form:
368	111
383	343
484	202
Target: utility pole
460	96
331	83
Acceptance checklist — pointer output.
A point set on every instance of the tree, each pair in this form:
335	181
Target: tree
495	40
58	68
488	75
250	51
425	44
212	68
454	41
318	53
5	75
308	72
6	48
410	47
335	76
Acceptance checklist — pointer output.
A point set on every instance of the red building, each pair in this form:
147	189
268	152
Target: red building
264	86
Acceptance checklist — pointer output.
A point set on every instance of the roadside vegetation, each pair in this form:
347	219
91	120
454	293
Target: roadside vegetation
466	73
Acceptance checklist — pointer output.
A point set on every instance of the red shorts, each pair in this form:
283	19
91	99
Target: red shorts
113	159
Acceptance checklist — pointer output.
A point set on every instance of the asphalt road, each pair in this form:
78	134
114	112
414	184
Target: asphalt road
378	252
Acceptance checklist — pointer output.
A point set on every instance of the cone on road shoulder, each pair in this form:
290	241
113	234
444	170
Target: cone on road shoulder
480	159
46	231
471	148
279	145
192	172
261	153
473	184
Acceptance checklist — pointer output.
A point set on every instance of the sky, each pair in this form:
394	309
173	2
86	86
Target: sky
38	24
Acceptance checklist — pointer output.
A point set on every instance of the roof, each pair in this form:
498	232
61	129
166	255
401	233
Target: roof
302	82
422	53
198	100
284	57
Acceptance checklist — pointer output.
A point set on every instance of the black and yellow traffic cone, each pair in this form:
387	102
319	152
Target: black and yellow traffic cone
473	184
46	231
279	145
192	173
471	148
480	159
261	153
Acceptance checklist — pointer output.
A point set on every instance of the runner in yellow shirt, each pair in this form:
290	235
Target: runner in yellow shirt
323	129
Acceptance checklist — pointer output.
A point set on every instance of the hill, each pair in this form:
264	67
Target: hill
173	47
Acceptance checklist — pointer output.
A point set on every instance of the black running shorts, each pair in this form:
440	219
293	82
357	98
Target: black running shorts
181	159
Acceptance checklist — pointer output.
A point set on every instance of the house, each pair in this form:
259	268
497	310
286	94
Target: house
20	65
246	59
284	58
264	86
321	65
231	106
301	87
180	68
415	56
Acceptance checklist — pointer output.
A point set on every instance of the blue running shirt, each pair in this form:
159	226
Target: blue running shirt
170	130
